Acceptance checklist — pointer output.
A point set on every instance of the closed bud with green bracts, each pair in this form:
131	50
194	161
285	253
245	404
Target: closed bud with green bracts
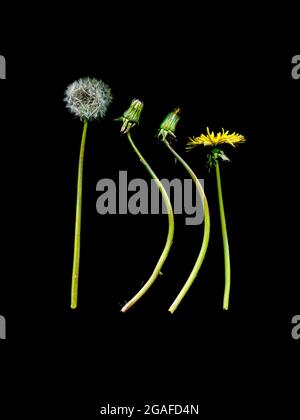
131	116
168	126
133	113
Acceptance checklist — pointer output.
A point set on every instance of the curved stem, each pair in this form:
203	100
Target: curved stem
76	259
206	233
170	236
225	240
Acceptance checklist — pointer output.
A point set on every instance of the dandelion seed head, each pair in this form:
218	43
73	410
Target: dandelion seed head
88	98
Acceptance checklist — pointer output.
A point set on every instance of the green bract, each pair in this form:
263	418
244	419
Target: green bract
131	116
169	124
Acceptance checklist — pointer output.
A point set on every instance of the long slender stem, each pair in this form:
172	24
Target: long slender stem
206	233
225	240
76	259
170	236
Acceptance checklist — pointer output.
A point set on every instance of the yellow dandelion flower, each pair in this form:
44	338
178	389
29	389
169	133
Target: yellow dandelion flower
211	139
215	153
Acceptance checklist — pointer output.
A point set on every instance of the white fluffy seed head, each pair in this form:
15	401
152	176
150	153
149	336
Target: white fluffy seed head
88	98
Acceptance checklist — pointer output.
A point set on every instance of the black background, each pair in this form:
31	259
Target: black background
223	72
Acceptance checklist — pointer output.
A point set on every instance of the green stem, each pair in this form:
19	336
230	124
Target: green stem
76	259
206	233
170	236
225	241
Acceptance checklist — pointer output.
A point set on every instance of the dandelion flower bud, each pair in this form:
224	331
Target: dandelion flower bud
88	98
168	125
131	117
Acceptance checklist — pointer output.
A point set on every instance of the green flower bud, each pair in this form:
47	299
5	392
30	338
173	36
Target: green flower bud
168	125
131	116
